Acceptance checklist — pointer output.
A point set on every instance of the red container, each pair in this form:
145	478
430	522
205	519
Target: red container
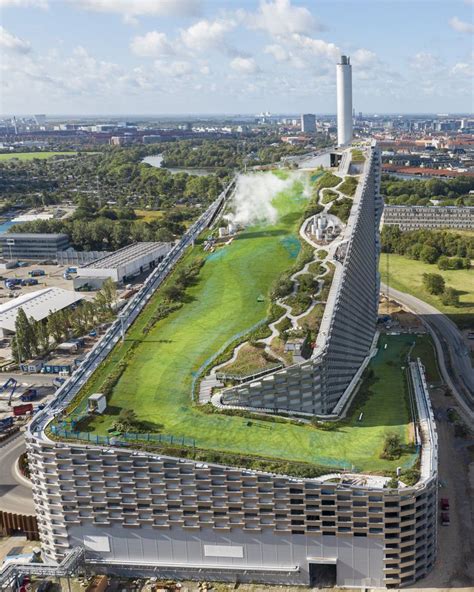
22	409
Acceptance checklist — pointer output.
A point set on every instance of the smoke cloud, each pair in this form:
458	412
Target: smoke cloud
252	200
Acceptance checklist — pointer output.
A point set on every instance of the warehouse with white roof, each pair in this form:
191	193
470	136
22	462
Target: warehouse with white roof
38	305
124	264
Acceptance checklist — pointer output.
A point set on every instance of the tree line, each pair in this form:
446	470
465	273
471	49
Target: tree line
428	246
420	191
37	338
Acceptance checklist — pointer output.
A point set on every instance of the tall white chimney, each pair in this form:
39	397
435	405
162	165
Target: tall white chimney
344	101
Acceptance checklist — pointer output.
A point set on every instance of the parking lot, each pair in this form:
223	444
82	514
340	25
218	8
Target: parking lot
53	278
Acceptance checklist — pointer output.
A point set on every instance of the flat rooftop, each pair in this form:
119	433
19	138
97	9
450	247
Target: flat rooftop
37	304
124	256
32	236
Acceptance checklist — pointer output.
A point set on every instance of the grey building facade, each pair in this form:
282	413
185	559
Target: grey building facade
348	326
26	245
415	217
142	514
308	123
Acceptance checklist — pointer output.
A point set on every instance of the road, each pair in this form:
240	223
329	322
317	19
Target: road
454	568
15	491
453	355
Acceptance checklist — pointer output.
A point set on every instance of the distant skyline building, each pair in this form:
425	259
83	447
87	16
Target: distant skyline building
308	123
344	101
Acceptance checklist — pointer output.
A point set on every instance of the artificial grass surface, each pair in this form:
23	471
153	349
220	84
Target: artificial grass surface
32	155
406	275
224	301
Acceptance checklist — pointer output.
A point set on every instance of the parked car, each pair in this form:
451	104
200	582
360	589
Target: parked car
445	521
444	504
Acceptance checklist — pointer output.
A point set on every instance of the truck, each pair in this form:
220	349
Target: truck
22	409
6	423
29	395
36	272
71	270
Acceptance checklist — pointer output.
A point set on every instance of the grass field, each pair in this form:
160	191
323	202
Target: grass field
406	275
424	349
32	155
353	444
149	215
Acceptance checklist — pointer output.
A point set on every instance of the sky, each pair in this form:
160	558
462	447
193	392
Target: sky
145	57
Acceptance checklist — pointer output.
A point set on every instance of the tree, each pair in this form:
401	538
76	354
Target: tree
109	292
450	297
392	447
42	336
55	327
429	254
25	342
174	292
433	282
443	262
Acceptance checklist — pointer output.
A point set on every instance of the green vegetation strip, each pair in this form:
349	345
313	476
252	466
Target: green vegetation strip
349	186
32	155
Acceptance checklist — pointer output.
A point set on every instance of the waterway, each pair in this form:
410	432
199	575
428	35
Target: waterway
5	225
157	161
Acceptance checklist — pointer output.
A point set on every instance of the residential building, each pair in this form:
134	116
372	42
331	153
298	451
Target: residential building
308	123
414	217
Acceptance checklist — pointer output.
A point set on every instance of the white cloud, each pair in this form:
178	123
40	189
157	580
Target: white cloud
425	61
363	58
316	47
244	65
207	34
152	44
174	68
283	55
24	3
280	18
462	69
278	52
131	9
12	43
461	26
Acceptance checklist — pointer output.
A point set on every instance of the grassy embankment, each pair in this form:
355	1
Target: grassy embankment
406	275
157	381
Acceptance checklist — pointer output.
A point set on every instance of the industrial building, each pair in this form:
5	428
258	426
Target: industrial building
139	513
124	264
415	217
37	305
308	123
344	101
26	245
